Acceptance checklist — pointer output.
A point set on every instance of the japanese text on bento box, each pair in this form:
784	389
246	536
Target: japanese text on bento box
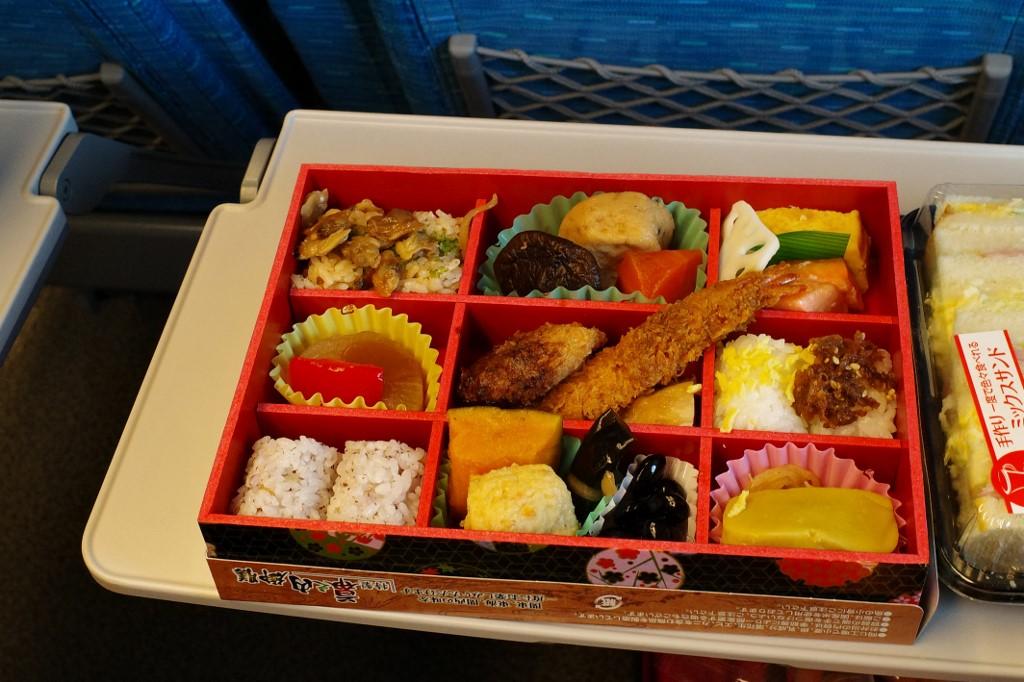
994	376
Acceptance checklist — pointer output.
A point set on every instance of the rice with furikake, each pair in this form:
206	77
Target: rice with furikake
364	247
370	482
841	386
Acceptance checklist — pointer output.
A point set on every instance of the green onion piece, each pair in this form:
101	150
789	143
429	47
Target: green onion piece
446	246
810	245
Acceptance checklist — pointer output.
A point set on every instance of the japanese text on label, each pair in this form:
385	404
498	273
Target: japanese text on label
345	589
994	377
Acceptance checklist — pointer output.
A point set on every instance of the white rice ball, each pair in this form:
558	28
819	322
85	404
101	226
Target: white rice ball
377	482
287	479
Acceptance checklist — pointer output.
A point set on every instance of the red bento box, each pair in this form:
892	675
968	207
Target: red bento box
697	585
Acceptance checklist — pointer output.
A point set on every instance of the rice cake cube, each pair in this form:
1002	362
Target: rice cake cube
481	439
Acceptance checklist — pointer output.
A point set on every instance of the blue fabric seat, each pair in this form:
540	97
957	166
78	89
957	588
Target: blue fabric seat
199	62
343	51
814	36
192	56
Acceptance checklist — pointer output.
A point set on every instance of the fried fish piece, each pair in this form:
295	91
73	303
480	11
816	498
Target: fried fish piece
524	368
658	350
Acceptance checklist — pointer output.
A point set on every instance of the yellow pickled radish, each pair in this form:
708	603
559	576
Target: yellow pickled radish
843	519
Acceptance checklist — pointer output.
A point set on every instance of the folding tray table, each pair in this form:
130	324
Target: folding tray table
33	225
142	537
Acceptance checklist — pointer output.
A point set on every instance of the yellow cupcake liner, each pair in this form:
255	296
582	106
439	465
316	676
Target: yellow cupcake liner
352	320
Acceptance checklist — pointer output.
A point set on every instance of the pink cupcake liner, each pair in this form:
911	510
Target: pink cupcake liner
834	472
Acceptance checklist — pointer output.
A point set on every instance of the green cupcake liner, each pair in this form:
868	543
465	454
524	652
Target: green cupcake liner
439	518
587	527
690	233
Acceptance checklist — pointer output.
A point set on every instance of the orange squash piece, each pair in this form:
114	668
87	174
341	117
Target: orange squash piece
671	274
481	439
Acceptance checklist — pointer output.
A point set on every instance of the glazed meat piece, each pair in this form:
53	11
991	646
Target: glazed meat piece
657	351
841	385
524	368
329	231
396	224
387	276
363	251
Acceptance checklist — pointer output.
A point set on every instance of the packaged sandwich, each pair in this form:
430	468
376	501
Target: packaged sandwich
972	293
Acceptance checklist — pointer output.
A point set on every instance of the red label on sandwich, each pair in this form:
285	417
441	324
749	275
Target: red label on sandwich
994	376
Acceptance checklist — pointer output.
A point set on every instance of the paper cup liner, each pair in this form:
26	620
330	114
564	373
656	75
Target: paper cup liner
335	322
439	509
690	233
570	446
594	522
834	472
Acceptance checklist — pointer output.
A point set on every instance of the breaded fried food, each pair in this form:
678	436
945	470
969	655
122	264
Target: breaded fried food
524	368
657	351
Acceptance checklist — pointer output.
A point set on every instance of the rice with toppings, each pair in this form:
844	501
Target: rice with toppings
377	482
754	377
879	422
437	272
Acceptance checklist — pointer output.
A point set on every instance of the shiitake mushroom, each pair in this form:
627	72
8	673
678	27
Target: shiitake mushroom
537	260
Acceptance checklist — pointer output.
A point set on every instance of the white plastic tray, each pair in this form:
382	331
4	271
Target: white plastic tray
30	225
143	539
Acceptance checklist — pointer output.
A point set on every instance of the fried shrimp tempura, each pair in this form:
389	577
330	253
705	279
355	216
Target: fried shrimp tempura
658	350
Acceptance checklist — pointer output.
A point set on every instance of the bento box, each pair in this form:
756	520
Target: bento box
963	270
436	566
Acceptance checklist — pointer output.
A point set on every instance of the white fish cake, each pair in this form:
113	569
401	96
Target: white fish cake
608	225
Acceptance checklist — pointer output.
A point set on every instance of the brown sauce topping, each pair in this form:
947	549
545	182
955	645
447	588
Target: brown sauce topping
835	388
